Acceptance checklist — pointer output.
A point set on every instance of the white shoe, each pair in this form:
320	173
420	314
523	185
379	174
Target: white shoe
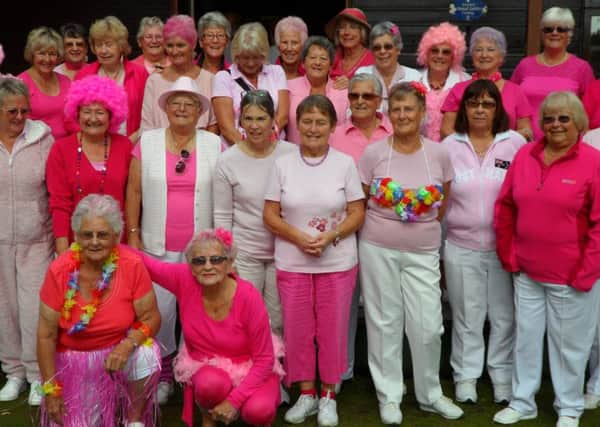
328	416
591	401
390	413
165	390
12	388
502	393
35	394
466	391
444	407
512	416
564	421
135	424
305	406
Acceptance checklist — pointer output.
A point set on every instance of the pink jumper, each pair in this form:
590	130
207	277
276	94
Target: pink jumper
547	218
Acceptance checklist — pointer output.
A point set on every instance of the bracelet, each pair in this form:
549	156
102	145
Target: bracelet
52	388
135	344
143	328
337	238
134	229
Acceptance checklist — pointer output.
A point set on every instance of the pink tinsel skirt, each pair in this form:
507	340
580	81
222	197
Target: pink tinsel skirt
92	397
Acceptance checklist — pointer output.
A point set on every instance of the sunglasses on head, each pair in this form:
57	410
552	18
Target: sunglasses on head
214	260
487	105
561	30
184	156
548	120
353	96
386	47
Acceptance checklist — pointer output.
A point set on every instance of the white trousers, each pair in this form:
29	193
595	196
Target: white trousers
167	306
261	273
593	384
478	287
401	292
569	318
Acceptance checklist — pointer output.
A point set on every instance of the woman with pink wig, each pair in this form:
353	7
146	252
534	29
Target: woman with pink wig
93	160
180	37
441	51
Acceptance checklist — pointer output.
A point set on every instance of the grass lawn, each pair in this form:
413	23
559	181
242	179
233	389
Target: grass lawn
357	404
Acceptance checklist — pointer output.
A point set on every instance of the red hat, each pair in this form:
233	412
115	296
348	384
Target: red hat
352	14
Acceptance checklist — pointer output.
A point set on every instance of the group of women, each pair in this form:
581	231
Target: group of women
122	174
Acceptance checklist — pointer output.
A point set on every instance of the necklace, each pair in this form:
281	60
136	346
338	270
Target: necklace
436	85
315	164
78	165
116	76
560	61
175	145
89	310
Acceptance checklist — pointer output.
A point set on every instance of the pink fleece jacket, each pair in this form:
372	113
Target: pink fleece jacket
547	218
470	213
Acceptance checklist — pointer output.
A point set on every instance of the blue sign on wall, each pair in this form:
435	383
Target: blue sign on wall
467	10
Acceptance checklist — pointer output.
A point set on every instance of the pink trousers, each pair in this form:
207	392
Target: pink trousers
316	311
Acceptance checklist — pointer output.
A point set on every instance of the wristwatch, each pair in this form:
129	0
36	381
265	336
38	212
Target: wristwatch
337	238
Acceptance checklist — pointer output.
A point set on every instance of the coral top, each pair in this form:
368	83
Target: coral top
336	69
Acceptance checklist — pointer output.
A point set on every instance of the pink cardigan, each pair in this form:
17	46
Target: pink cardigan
547	218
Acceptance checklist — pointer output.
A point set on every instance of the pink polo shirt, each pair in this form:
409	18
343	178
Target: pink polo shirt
348	139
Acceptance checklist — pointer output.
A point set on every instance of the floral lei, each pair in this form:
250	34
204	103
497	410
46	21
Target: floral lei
407	203
88	310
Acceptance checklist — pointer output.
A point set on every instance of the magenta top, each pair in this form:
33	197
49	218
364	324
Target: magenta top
514	101
48	108
336	69
591	102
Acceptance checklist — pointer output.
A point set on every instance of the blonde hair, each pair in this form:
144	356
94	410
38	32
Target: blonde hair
110	26
568	101
40	38
250	38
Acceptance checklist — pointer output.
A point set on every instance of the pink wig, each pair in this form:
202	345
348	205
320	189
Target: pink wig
181	26
98	89
443	33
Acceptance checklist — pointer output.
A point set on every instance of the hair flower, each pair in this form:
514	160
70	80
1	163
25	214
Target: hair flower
225	237
419	87
394	30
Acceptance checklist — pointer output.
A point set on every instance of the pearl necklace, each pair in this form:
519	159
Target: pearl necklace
312	165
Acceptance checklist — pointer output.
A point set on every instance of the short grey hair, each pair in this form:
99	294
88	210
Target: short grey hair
10	86
558	15
208	237
322	42
367	77
147	22
386	28
568	101
212	20
98	206
490	34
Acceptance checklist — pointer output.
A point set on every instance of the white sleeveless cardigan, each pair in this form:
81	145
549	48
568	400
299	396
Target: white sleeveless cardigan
154	185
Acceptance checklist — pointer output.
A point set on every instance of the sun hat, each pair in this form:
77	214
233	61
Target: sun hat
186	85
352	14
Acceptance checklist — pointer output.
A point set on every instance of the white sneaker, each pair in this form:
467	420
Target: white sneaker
502	393
512	416
328	416
35	394
564	421
390	413
444	407
165	390
591	401
12	388
305	406
135	424
466	391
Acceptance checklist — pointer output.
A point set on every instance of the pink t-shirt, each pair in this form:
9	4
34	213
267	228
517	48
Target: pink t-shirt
336	69
314	199
47	108
591	102
179	226
538	80
350	140
429	165
514	101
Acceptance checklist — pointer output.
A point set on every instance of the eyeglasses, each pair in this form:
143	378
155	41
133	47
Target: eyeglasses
150	37
486	105
184	156
353	96
89	235
214	36
438	51
560	30
178	105
79	44
214	260
386	47
15	111
548	120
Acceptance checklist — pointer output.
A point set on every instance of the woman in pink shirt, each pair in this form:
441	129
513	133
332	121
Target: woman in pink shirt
228	362
481	151
547	223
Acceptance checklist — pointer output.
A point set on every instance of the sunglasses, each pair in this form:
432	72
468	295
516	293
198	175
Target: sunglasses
548	120
561	30
15	111
487	105
214	260
180	166
438	51
353	96
386	47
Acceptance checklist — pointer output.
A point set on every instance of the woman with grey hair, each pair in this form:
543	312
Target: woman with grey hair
26	242
554	69
97	318
249	71
385	41
290	34
488	49
554	288
214	32
151	42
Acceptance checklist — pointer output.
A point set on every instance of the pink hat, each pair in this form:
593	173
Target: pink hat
188	86
351	13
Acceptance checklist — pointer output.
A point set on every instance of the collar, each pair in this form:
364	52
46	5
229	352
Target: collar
384	123
537	150
235	72
500	136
